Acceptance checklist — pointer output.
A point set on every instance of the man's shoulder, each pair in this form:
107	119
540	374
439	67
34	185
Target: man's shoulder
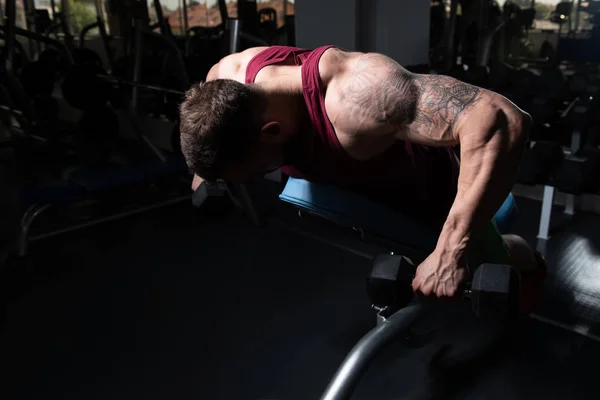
234	65
333	64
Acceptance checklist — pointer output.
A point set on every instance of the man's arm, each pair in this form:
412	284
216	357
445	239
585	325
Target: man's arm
379	99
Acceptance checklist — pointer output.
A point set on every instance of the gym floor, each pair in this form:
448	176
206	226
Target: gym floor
183	303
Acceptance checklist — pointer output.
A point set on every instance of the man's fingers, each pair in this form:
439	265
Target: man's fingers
196	182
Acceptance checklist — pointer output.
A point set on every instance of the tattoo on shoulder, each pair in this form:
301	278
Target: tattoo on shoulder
382	90
442	99
379	89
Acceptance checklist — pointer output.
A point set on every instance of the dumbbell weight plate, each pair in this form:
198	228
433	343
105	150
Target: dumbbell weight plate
389	284
495	292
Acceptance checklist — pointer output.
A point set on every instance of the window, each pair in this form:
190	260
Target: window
281	7
83	13
20	13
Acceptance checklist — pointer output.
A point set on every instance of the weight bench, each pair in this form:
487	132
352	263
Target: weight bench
89	183
360	213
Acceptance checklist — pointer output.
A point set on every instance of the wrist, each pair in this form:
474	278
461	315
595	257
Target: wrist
454	239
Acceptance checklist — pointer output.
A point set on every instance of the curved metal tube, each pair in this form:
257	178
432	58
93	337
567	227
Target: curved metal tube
357	361
84	32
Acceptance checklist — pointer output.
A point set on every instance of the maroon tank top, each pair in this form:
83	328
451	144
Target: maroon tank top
416	180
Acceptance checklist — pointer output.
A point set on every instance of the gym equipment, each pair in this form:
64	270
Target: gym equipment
579	173
366	216
494	289
88	86
65	187
87	185
496	286
494	292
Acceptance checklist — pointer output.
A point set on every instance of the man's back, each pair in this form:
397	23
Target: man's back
409	177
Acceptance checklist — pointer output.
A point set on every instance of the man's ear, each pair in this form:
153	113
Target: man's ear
271	132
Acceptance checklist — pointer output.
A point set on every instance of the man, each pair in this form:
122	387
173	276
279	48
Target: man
363	122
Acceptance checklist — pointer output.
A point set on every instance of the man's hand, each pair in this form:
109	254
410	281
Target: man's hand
440	276
196	182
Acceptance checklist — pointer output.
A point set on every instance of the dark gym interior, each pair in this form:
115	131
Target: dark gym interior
119	282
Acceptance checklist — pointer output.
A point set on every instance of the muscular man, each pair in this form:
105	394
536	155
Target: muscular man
363	122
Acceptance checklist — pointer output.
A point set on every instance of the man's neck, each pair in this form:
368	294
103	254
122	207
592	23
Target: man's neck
287	106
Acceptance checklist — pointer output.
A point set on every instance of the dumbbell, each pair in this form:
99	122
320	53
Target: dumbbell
494	289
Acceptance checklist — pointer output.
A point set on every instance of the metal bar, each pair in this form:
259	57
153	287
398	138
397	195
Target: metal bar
29	9
145	140
546	214
577	15
108	218
570	206
180	14
185	17
30	215
575	140
449	56
233	26
160	17
357	361
67	23
104	34
40	38
138	42
10	32
84	32
572	104
182	73
53	8
11	110
223	10
120	82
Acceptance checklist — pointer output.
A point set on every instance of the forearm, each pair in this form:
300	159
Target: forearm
490	157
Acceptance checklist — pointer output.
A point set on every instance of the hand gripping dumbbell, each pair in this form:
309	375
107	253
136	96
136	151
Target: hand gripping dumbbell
493	291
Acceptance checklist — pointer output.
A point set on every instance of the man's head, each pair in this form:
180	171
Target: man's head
227	132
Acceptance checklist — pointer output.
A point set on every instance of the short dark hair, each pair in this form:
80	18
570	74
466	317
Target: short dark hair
219	120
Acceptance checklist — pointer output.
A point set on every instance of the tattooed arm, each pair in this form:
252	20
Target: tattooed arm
380	101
